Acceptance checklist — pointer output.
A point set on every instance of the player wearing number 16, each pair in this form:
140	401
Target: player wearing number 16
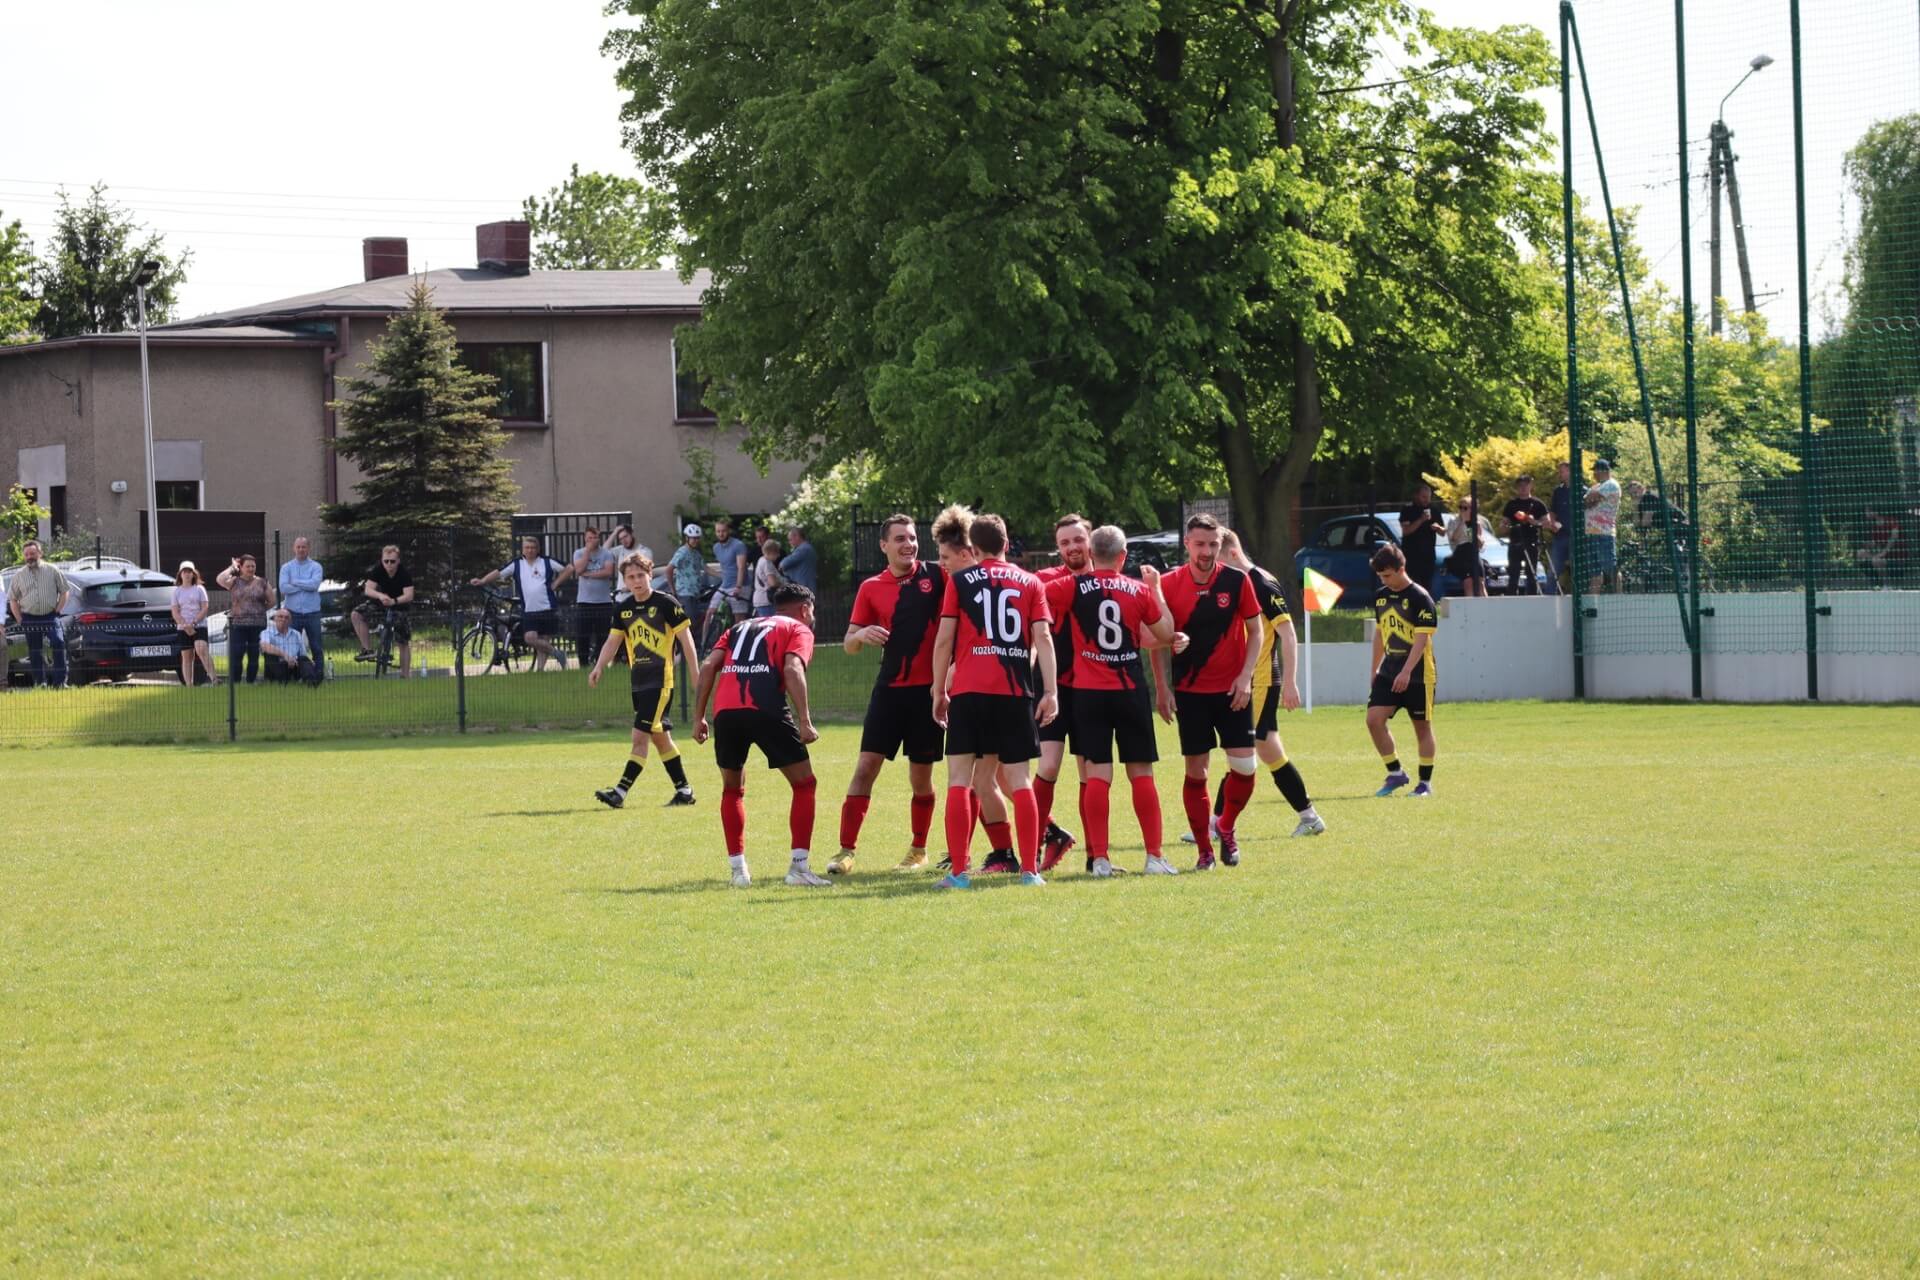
996	637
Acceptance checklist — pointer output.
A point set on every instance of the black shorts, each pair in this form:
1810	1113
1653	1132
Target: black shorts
1268	721
183	641
373	613
1103	716
651	702
1057	730
778	738
1417	701
902	716
546	622
992	724
1205	718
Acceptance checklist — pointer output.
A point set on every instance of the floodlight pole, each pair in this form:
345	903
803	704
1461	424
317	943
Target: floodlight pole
146	415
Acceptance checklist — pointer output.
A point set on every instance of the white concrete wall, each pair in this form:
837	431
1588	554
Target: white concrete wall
1523	648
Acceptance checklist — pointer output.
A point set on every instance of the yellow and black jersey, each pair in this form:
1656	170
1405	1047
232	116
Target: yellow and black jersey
649	628
1273	615
1402	615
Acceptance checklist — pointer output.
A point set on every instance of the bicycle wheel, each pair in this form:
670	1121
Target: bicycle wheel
476	639
383	652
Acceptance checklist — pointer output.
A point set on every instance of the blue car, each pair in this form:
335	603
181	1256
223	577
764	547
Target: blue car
1342	549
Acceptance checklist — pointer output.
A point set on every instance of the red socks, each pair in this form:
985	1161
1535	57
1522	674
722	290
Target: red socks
959	826
733	820
1043	798
853	812
973	811
1026	817
922	819
800	815
1199	806
1238	789
1094	798
999	835
1146	807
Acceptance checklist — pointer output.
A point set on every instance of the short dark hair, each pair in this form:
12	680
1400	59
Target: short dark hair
1072	517
32	542
799	529
950	527
1201	520
590	529
1389	556
989	533
789	593
1523	479
898	517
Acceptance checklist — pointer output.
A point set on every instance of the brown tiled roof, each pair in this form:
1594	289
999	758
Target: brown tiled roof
478	290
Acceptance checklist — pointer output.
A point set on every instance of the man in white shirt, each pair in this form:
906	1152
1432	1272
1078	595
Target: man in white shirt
536	583
1603	514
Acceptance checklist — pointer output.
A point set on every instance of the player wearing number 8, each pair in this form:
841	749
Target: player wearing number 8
995	637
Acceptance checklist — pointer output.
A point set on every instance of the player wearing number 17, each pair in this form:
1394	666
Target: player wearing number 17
996	636
756	666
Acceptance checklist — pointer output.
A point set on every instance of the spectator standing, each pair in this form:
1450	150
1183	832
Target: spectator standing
388	585
1602	503
1560	524
283	647
1525	516
1464	538
300	580
1420	524
766	576
1879	552
801	566
36	594
689	569
189	619
536	584
593	568
250	596
735	591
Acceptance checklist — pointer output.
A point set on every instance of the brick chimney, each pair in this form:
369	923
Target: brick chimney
384	256
503	246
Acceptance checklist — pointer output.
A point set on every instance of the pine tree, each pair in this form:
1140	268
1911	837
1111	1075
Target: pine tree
434	479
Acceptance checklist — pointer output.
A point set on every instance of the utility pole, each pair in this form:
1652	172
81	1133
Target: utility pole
1720	171
142	278
1713	236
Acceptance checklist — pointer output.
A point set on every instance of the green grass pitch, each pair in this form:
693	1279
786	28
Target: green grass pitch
1638	993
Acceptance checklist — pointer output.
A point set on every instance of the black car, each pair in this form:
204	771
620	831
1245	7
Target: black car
118	622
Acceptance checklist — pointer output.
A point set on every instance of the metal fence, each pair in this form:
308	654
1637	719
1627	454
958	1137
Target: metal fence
1741	247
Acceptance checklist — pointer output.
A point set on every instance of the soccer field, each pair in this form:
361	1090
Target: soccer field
1638	992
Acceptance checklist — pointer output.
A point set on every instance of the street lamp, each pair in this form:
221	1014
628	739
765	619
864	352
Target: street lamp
141	279
1720	169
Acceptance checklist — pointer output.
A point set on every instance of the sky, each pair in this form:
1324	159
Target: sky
280	136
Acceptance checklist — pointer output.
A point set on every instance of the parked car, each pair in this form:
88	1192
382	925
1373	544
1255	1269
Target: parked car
118	622
1342	549
1162	550
335	602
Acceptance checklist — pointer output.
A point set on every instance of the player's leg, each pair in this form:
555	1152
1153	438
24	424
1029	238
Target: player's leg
1238	784
961	799
669	752
993	809
853	808
1053	754
1026	820
1423	735
1096	798
733	823
1377	717
615	796
920	810
1286	777
1194	722
800	814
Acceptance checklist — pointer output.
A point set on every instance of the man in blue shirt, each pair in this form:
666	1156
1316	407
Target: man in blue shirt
689	569
801	566
284	646
300	580
1560	520
734	584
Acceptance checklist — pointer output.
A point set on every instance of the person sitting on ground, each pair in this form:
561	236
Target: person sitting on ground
283	648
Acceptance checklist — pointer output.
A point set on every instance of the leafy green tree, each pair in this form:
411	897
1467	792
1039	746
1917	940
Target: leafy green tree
17	305
20	518
1096	254
85	278
433	475
599	222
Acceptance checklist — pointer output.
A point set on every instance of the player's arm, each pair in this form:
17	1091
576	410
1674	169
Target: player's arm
607	651
1044	663
1379	647
683	636
1422	641
1159	633
703	690
1162	683
942	662
861	633
1243	684
1289	664
794	672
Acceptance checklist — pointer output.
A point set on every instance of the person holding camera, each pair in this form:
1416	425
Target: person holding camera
1525	515
249	597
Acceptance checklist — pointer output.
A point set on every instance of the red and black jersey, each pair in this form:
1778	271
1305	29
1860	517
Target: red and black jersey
996	604
1214	615
753	677
909	608
1108	610
1062	623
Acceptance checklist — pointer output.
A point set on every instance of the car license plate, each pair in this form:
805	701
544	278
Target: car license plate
151	651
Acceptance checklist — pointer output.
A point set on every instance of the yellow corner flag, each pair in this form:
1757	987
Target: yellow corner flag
1321	593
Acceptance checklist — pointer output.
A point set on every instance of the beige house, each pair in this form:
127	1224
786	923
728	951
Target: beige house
596	417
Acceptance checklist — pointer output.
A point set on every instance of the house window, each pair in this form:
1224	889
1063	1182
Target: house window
176	495
522	377
689	393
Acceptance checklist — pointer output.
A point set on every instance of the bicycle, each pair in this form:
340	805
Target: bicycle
382	648
493	635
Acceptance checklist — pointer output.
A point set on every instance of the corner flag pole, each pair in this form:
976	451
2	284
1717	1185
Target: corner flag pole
1307	662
